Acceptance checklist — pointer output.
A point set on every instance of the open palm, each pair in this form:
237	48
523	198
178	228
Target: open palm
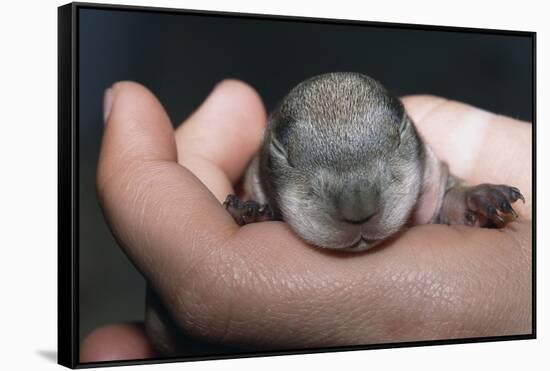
260	286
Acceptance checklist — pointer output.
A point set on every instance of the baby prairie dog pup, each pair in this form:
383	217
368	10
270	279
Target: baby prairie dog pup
343	165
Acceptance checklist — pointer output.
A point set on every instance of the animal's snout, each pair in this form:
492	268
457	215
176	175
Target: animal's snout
358	205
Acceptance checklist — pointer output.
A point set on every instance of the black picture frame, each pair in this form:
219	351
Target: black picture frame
68	179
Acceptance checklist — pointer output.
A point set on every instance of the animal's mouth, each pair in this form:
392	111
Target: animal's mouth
361	244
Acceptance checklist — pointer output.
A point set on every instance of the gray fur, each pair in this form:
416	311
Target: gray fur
341	162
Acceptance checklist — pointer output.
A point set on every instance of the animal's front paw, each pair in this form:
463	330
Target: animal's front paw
245	212
484	205
489	205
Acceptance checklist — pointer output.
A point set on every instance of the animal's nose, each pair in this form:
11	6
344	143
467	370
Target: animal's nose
359	205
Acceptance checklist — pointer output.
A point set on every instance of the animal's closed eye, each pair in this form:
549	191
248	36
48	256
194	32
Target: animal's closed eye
404	126
277	146
280	152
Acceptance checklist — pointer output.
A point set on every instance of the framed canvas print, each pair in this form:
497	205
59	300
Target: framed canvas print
235	185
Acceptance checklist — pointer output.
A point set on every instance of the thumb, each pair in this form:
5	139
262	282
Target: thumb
164	218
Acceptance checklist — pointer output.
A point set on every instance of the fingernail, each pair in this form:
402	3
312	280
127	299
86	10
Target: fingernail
107	104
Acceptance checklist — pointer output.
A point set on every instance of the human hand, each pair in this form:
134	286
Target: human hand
260	286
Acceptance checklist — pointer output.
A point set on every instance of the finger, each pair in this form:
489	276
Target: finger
218	141
116	342
162	215
479	146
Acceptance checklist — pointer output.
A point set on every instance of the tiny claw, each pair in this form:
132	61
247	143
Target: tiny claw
517	194
492	213
506	207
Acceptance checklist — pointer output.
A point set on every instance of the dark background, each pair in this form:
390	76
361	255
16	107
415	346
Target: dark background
180	57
